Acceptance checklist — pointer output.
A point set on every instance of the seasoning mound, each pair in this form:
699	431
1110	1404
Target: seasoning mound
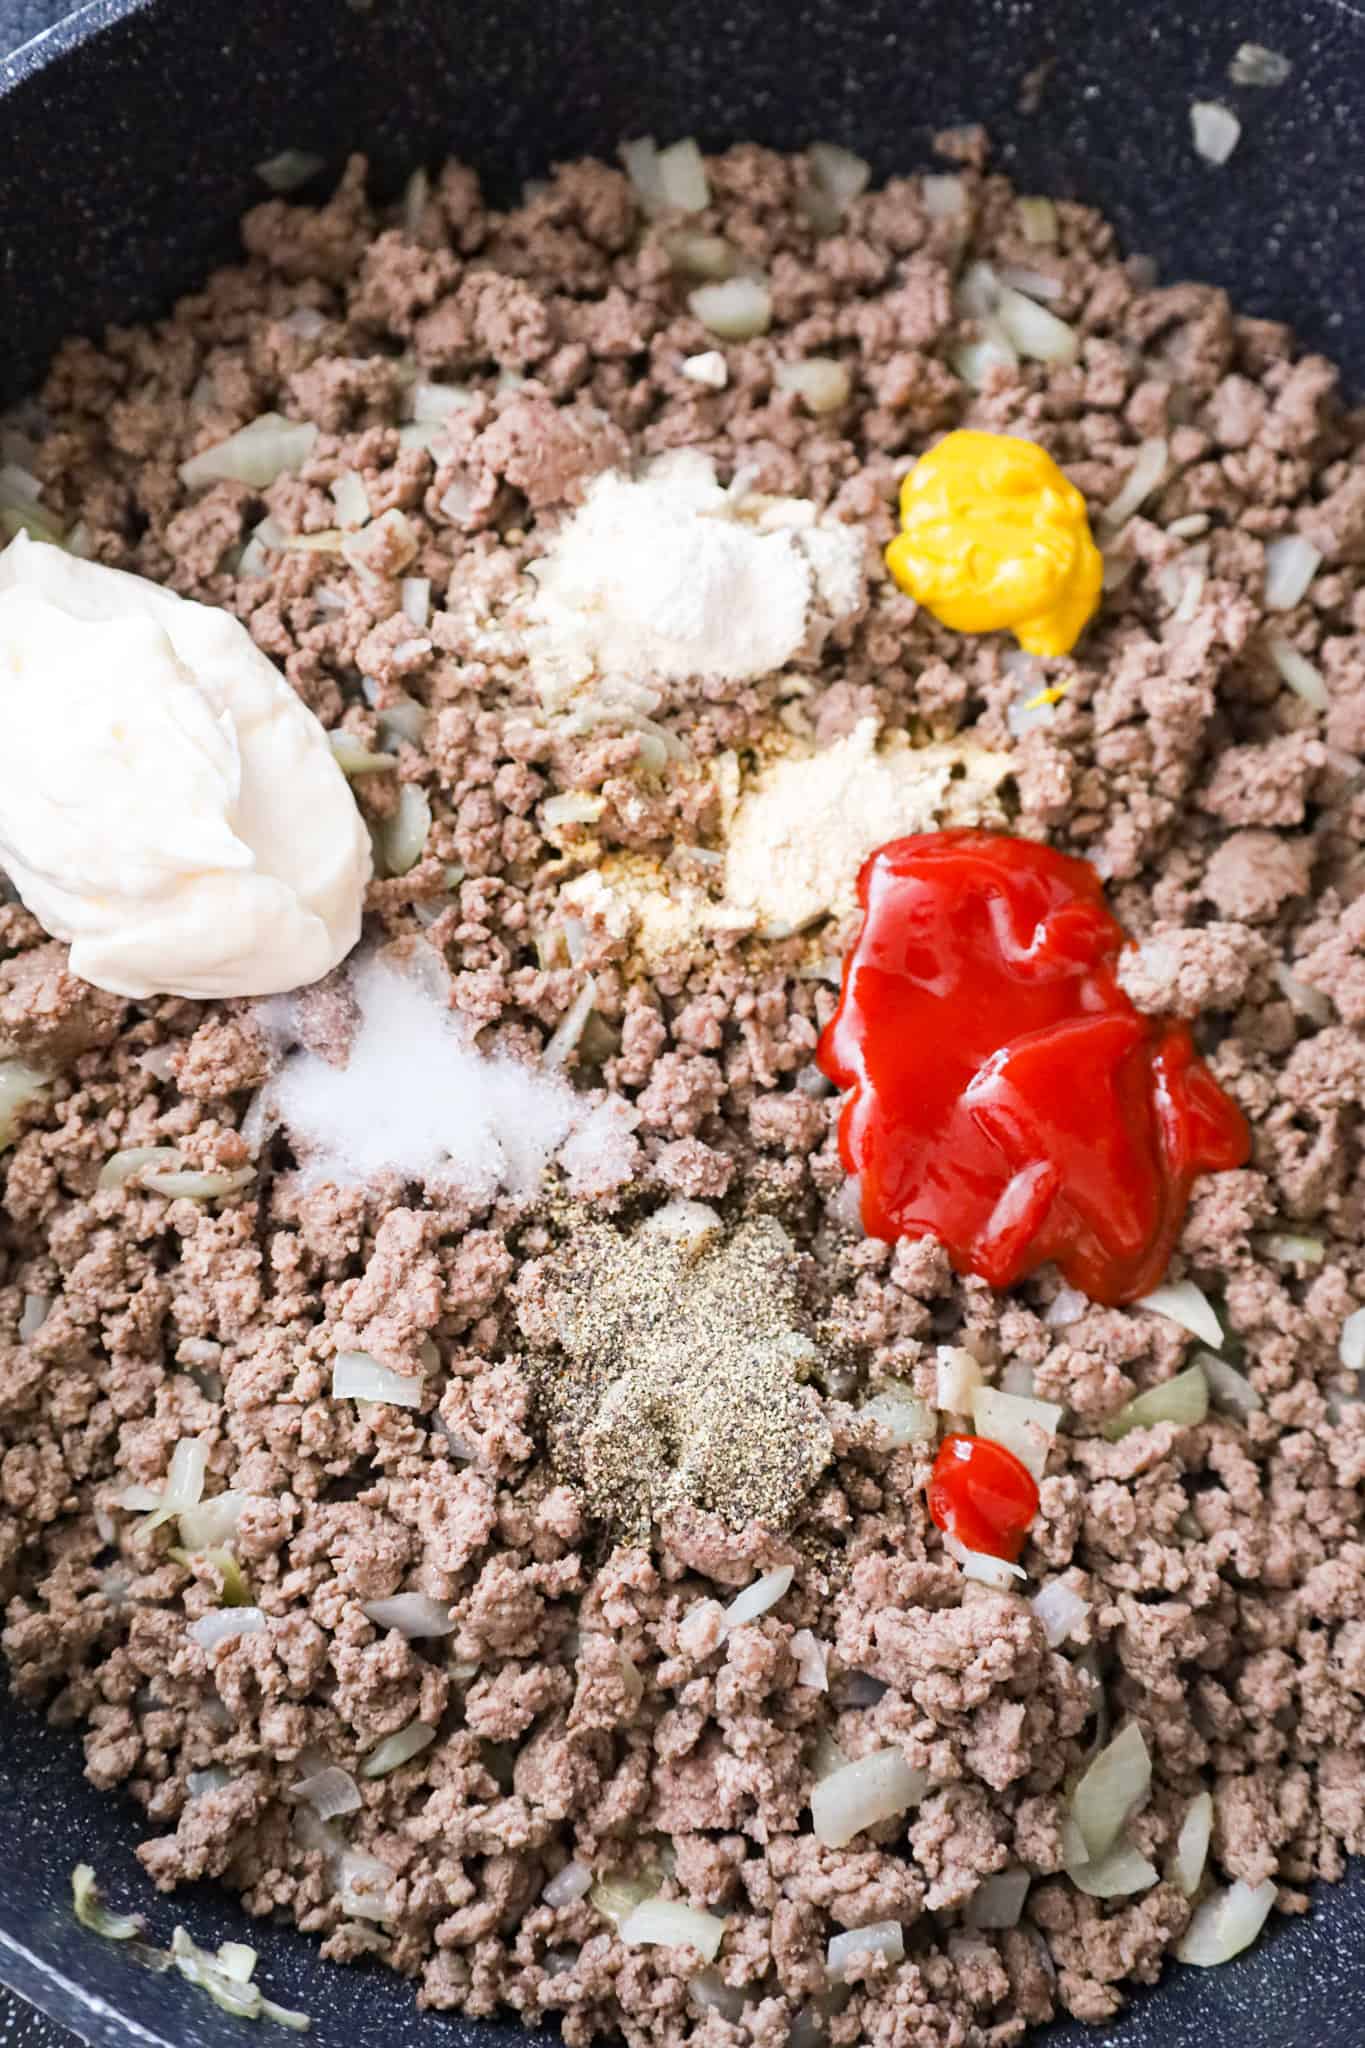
677	1372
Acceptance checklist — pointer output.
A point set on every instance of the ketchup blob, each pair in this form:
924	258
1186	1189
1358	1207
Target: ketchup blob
983	1495
1007	1098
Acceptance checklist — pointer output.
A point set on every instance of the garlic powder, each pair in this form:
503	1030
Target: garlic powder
668	575
802	831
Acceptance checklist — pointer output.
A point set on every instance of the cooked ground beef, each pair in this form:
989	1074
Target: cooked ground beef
590	1705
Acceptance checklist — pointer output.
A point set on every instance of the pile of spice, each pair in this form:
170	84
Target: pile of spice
670	1362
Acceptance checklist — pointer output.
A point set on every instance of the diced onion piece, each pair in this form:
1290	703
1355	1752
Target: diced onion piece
365	1886
1226	1923
403	836
1254	64
1148	470
19	1084
1035	331
1183	1400
1189	1306
416	193
1021	1424
1060	1609
944	195
875	1788
974	361
184	1486
957	1377
429	404
1229	1390
199	1187
1192	1845
641	159
1018	1378
1351	1348
1116	1784
735	310
1038	219
1291	563
574	1881
92	1912
288	169
905	1418
1117	1874
33	1315
837	171
1295	1249
351	498
564	1038
224	1623
200	1783
819	382
413	1615
616	1898
208	1524
982	1567
121	1166
403	721
353	757
414	594
1067	1306
1310	1002
397	1749
1034	284
237	1959
879	1937
1215	130
694	254
709	368
1304	677
19	486
136	1499
709	1992
755	1600
358	1377
330	1792
812	1660
572	807
255	455
667	1923
998	1903
682	177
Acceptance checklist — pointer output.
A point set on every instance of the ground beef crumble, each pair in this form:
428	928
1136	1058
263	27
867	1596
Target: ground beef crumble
590	1704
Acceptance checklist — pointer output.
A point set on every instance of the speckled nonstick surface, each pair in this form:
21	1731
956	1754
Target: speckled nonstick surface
126	139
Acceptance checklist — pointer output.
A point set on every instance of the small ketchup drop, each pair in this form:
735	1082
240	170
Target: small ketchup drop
983	1495
1007	1098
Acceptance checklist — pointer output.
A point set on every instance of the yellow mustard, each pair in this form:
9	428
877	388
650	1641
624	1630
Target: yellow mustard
993	535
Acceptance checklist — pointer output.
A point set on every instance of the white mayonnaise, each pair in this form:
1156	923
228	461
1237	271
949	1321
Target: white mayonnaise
168	806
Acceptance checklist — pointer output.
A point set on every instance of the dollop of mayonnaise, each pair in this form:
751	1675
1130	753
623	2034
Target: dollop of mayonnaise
168	806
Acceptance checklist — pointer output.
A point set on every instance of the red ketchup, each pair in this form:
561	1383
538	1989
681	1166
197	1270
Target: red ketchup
983	1495
1007	1098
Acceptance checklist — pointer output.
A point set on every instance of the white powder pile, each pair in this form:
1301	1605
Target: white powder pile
668	575
800	835
416	1099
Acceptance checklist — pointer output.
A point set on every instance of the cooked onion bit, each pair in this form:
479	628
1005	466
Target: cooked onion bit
92	1912
1192	1845
862	1794
665	1923
1183	1400
1226	1923
1115	1786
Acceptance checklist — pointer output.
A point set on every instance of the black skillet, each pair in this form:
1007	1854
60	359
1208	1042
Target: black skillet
126	141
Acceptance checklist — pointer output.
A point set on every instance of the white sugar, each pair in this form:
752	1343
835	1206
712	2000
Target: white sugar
416	1098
